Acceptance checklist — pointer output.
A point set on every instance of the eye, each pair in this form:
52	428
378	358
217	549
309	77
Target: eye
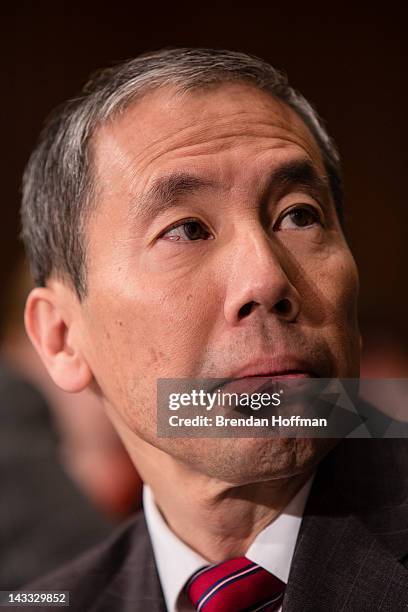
189	230
299	217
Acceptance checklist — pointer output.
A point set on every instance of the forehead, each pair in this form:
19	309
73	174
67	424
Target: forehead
212	130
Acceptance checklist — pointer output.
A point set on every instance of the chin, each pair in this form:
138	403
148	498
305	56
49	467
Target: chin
241	461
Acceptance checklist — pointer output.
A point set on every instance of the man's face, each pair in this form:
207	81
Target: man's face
214	250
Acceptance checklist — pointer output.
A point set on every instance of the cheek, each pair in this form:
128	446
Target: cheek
163	333
327	281
134	342
330	282
340	327
343	289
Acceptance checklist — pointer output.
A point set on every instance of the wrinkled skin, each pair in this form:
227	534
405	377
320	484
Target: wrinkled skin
254	282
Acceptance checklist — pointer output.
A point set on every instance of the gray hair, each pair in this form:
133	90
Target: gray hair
58	185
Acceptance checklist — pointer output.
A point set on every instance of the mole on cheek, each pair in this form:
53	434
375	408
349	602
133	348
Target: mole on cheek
156	355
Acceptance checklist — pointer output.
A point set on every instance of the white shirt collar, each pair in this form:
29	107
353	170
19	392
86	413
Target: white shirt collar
273	547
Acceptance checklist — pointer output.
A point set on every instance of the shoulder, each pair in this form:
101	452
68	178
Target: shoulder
368	474
120	567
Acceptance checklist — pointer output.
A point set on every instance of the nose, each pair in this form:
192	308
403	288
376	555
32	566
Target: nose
259	280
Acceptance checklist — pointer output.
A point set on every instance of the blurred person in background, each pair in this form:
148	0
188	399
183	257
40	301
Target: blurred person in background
66	479
384	357
384	353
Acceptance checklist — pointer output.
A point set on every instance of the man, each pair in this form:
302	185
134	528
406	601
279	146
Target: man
183	218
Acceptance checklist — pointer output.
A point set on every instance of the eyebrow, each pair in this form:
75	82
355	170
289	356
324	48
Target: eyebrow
166	191
300	173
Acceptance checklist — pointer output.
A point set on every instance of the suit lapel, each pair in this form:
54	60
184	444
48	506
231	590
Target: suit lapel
136	587
339	564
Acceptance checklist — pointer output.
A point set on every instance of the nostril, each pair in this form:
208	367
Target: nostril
283	307
245	310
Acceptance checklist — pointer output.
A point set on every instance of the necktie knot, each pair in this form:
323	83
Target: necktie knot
236	585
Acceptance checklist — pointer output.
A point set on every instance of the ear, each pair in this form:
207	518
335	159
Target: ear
51	326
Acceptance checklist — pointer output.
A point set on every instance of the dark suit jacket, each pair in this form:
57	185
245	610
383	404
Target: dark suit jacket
351	554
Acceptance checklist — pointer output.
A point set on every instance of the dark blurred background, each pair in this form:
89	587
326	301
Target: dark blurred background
62	468
350	64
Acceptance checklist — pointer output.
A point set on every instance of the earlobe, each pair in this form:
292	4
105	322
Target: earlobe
50	331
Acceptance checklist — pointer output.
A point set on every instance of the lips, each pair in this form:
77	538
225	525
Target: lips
265	374
283	367
279	375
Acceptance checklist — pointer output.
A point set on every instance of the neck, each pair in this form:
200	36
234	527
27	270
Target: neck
216	519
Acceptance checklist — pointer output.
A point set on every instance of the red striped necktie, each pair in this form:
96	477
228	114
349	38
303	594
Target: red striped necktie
236	585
